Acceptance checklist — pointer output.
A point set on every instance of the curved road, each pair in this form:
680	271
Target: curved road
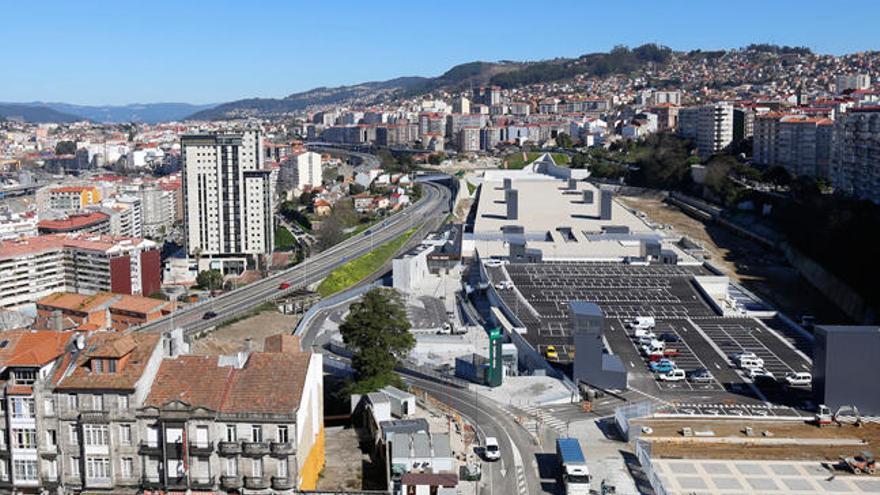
234	303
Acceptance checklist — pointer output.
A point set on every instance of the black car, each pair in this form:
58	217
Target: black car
668	337
208	315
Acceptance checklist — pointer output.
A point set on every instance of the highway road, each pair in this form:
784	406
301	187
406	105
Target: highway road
434	202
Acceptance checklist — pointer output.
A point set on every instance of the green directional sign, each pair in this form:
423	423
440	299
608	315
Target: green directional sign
494	375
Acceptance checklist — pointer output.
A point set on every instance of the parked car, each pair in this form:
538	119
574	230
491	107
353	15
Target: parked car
641	322
669	337
550	353
647	339
798	379
665	353
208	315
736	356
700	375
673	375
662	366
491	451
284	285
748	363
642	332
756	372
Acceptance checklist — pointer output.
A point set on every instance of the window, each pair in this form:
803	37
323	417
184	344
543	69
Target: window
98	402
51	438
282	468
25	438
25	377
231	433
123	403
22	407
52	469
256	433
97	467
282	434
49	406
231	466
24	469
98	365
257	468
74	466
72	403
2	438
73	433
201	436
125	434
95	435
126	467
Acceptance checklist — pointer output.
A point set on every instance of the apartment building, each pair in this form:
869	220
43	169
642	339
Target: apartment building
101	311
15	225
34	267
855	167
73	198
710	127
800	143
228	197
97	388
845	82
302	170
248	423
468	139
29	437
93	222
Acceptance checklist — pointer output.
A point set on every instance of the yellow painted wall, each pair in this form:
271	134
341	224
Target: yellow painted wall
314	464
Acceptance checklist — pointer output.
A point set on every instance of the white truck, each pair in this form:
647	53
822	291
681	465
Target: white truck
642	322
574	475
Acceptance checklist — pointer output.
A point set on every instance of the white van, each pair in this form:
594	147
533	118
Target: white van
647	338
798	379
747	363
675	375
492	452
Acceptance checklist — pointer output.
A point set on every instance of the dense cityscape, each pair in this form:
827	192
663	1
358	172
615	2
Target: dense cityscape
640	271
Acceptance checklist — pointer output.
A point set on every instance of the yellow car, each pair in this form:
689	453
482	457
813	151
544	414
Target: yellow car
550	353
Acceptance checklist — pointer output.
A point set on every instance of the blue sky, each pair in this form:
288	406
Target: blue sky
93	52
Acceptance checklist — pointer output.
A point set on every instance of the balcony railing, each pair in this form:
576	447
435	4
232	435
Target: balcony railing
201	447
282	448
254	448
149	448
229	448
281	483
230	482
202	482
255	483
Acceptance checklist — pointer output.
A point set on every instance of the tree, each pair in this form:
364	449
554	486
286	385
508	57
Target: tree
563	140
210	279
354	189
777	175
306	198
376	330
65	148
332	229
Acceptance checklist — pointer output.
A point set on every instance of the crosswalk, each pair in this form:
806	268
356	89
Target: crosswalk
534	417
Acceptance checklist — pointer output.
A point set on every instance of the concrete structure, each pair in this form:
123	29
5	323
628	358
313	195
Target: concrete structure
591	364
93	222
553	219
34	267
855	168
228	195
844	364
15	225
468	139
710	127
102	311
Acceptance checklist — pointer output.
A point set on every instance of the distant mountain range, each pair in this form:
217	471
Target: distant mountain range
148	113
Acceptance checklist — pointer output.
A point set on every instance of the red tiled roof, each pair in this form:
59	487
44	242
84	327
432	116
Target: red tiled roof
73	222
270	382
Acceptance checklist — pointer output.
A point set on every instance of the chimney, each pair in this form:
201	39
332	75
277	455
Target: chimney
508	183
588	196
511	197
605	205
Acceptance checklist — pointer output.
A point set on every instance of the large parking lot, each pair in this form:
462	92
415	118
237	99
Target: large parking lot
699	337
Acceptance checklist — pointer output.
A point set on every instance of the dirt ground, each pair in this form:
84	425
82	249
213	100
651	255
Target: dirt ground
344	470
760	270
684	449
231	338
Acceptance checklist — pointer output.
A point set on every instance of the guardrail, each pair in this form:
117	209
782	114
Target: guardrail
332	301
